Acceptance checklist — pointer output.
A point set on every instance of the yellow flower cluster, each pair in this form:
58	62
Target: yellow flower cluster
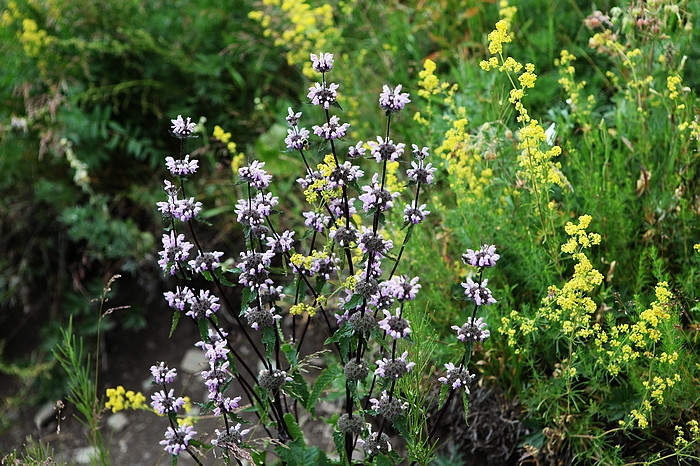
318	186
237	158
119	399
429	85
578	235
298	28
537	165
569	308
573	89
300	308
681	441
32	38
673	84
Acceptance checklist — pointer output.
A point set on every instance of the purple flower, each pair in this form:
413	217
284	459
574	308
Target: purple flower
472	331
388	406
395	325
374	243
248	213
393	100
394	368
356	151
297	138
324	266
175	250
344	236
254	268
385	150
404	289
206	262
315	221
164	403
376	197
484	257
383	298
420	173
181	128
281	243
293	118
203	305
478	292
163	374
419	153
167	207
224	404
177	440
186	209
269	294
309	179
457	377
265	203
332	129
258	317
255	175
178	299
215	377
337	205
182	167
215	350
414	215
232	436
322	95
344	174
323	62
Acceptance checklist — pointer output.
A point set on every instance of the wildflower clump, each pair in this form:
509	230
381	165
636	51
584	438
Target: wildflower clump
346	261
118	399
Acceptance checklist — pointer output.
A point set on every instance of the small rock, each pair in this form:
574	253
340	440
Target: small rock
194	361
85	455
45	414
117	421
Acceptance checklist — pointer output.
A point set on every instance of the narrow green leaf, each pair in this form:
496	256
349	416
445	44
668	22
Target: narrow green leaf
268	339
465	402
173	326
328	375
203	329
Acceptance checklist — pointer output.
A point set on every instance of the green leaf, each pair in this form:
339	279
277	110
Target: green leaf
444	389
173	326
290	352
401	425
245	299
203	329
298	388
339	440
328	375
465	402
345	331
293	427
354	301
268	338
381	460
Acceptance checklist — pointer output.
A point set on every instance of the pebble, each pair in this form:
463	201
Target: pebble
45	414
117	421
194	361
85	455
